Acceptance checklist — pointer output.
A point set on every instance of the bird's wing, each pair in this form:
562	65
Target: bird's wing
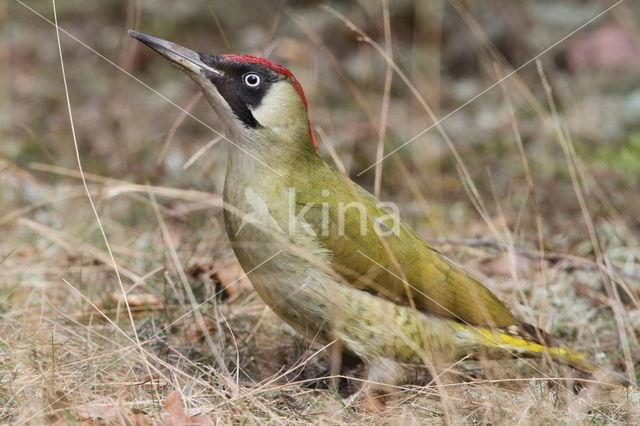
372	249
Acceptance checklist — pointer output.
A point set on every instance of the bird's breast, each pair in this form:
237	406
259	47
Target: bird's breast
285	263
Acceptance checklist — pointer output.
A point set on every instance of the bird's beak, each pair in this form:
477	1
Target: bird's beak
181	56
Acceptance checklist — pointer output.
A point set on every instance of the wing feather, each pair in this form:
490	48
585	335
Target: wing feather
401	266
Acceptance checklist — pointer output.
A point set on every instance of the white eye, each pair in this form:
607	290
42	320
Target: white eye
252	79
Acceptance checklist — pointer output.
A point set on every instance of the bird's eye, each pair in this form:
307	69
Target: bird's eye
252	79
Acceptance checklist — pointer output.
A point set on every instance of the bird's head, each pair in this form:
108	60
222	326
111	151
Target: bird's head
260	102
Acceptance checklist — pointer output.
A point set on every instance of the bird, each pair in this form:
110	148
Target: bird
332	261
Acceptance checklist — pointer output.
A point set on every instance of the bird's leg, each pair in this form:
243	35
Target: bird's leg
383	374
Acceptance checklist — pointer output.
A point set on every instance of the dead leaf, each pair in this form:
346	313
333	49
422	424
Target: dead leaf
227	277
196	331
174	414
233	279
373	403
108	411
202	271
142	300
505	265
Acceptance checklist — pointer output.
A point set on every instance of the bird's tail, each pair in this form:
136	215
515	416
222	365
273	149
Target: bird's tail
528	341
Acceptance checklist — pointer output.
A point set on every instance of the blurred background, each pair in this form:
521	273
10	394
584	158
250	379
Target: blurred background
531	176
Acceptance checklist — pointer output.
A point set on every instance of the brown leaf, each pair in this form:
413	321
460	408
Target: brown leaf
233	279
174	414
108	411
373	403
506	264
197	330
143	300
201	270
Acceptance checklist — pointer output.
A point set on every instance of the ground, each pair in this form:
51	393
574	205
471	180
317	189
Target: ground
530	180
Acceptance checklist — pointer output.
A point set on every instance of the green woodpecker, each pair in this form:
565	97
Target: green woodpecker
330	259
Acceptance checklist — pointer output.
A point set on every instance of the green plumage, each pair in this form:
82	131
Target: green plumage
401	267
329	258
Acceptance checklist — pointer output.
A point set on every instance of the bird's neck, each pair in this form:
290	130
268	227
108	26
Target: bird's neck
266	152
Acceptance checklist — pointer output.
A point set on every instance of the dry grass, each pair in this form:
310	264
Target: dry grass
533	185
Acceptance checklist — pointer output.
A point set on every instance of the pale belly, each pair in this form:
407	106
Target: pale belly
292	286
